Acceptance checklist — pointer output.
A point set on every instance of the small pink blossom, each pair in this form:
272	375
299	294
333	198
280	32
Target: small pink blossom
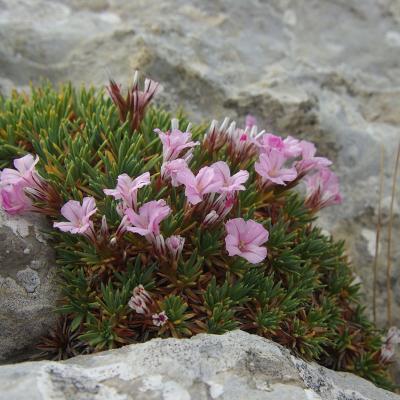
250	121
244	238
160	319
270	167
197	186
24	170
175	245
292	147
309	161
174	142
13	198
78	216
140	300
147	221
15	183
127	188
171	169
322	189
289	147
268	141
229	184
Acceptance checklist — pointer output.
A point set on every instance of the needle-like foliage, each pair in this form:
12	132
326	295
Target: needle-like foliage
183	276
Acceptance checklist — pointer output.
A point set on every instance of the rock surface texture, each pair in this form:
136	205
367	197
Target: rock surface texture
234	366
28	289
324	70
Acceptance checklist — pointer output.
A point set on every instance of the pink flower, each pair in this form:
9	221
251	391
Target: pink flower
197	186
175	245
147	221
268	141
174	142
289	147
270	167
245	239
322	189
171	169
251	121
13	198
292	147
24	170
13	183
229	183
309	161
78	216
127	189
160	319
140	300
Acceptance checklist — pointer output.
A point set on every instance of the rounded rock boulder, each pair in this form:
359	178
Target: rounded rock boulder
28	287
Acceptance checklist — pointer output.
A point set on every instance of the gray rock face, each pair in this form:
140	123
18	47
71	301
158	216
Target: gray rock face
233	366
28	288
325	70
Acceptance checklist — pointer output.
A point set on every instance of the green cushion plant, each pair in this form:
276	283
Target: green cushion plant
164	229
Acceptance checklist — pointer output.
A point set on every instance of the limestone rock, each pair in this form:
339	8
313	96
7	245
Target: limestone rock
233	366
28	288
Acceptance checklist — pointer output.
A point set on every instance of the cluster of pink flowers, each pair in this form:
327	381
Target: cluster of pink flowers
282	161
278	161
142	303
14	184
212	191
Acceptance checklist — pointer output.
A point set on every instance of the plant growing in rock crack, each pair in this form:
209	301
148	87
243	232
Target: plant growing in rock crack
167	229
